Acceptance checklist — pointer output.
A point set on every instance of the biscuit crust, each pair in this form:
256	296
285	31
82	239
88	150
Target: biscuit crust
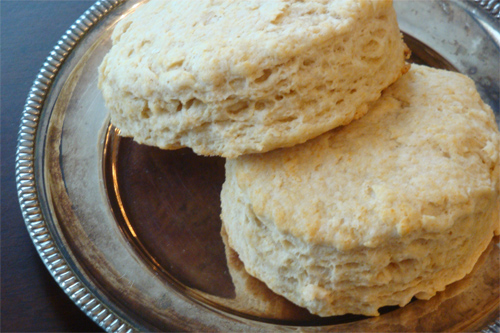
230	78
397	204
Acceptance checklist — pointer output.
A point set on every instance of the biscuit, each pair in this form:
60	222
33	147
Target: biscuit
235	77
397	204
252	296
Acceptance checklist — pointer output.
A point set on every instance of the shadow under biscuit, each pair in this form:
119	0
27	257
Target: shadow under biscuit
177	224
253	297
467	304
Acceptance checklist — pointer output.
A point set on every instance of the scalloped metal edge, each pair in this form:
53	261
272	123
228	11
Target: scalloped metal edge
25	173
493	8
492	328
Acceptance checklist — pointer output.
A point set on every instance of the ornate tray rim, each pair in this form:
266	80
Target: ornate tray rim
48	250
25	173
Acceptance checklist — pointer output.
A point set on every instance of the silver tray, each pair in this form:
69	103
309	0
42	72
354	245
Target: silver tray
132	233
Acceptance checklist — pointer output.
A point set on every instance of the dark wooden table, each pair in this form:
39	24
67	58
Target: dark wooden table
30	298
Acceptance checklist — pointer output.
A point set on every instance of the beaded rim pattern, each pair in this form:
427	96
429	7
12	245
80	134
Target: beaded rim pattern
25	171
492	7
25	174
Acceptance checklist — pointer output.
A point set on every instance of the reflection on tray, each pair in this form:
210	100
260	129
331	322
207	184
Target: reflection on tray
168	206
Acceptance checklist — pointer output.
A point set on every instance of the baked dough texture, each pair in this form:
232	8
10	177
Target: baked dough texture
252	296
399	203
234	77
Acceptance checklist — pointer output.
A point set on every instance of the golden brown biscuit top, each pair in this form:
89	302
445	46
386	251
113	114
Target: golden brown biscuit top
237	39
426	154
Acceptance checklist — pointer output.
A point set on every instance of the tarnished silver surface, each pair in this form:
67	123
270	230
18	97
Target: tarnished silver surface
77	219
29	170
